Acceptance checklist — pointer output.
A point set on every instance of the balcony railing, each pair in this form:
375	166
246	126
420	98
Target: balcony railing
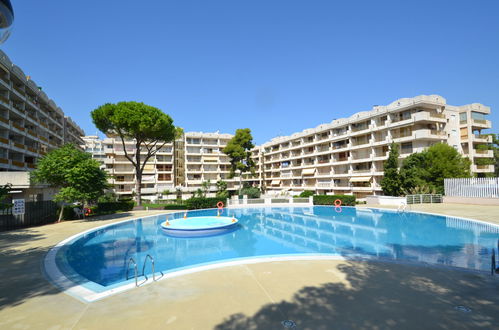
4	99
17	126
17	163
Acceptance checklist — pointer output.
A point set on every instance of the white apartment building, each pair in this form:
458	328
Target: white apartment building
346	156
93	145
31	124
186	163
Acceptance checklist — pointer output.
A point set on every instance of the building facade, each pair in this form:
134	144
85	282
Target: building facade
345	156
94	146
31	124
183	164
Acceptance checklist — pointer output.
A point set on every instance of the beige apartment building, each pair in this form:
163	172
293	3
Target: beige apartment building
346	156
184	164
31	124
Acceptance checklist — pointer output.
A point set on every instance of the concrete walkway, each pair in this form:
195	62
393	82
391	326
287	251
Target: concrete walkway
314	294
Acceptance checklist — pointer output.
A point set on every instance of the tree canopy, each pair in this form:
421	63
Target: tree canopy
391	183
239	151
78	176
149	127
428	169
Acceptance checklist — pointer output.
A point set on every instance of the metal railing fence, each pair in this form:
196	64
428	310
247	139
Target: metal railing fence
36	213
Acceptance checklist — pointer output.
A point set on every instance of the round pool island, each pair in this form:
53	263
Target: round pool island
199	226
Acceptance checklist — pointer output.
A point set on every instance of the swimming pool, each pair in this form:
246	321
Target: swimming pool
97	260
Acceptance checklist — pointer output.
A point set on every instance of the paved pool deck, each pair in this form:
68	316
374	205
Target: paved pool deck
331	294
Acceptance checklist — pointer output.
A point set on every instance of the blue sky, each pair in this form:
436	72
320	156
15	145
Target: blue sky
275	66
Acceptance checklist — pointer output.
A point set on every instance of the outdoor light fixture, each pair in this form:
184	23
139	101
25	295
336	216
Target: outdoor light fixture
6	19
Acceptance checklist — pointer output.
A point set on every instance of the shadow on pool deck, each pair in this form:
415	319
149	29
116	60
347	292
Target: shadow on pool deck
17	265
383	296
22	252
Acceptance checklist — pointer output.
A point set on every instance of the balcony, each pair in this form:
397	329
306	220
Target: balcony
149	190
18	145
481	138
429	116
361	130
362	188
484	153
482	168
481	123
4	99
17	126
17	163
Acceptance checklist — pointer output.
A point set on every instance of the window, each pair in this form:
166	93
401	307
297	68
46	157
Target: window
478	116
463	117
406	148
164	177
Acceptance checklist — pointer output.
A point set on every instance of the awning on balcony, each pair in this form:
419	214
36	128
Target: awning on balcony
361	179
148	178
275	182
210	158
308	171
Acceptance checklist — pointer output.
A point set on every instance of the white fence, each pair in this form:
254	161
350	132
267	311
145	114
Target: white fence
270	200
472	187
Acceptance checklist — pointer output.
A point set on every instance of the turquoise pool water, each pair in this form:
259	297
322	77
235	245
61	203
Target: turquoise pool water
101	256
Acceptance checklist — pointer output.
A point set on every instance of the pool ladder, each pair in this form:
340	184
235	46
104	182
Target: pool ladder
136	273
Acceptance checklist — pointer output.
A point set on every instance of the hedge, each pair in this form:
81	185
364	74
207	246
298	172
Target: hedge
202	202
114	206
175	207
346	200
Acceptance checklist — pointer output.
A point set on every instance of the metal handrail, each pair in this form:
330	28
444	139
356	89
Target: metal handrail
153	268
135	270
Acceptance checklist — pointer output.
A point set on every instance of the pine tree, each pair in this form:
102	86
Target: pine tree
391	183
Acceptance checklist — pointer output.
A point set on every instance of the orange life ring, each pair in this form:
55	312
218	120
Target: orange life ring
220	205
337	203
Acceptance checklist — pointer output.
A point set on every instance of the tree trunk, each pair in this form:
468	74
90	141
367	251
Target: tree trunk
61	213
138	187
138	174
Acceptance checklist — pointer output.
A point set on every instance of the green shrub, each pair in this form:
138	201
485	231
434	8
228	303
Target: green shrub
251	192
120	206
68	213
202	203
346	200
306	193
223	195
175	207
